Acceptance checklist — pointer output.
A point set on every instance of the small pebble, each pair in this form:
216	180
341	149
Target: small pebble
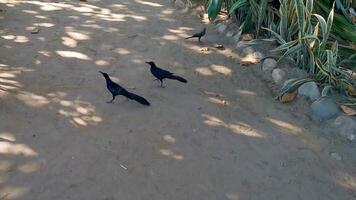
35	31
336	156
351	137
219	46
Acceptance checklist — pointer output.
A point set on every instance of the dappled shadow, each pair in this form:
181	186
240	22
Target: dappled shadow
27	163
60	139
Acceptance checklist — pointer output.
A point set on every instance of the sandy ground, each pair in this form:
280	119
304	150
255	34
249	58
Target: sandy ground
59	140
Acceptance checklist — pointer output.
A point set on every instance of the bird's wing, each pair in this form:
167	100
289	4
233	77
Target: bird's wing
165	72
196	34
199	34
116	88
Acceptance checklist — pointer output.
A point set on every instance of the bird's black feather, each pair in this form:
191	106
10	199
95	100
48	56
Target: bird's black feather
162	74
198	35
115	89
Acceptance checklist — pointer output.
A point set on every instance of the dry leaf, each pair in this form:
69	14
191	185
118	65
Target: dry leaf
351	90
288	97
204	49
347	110
246	37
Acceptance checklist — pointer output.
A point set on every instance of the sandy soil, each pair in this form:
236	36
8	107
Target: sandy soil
221	136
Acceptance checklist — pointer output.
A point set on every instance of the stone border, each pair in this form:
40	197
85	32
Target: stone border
322	104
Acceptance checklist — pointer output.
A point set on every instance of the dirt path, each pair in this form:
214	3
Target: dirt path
59	140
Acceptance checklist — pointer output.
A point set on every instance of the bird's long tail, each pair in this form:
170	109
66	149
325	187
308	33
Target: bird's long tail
137	98
189	37
178	78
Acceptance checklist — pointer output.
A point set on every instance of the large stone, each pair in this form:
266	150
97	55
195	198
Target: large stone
325	108
230	34
269	64
247	51
221	28
310	90
258	55
241	44
185	10
278	75
179	4
346	126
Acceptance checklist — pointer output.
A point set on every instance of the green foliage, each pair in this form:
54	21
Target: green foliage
309	44
214	8
318	35
343	27
251	13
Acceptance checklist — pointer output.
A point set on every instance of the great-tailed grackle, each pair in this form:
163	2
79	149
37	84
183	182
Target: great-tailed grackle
116	89
161	74
198	35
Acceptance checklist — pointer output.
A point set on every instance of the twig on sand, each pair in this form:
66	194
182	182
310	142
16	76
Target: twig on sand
122	166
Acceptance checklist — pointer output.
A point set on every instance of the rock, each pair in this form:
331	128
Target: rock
246	37
258	55
247	51
221	28
249	55
241	44
236	38
230	34
179	3
185	10
336	156
310	90
269	64
278	75
325	108
35	31
351	137
346	126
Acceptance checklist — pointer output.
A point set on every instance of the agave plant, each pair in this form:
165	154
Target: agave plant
307	31
251	13
308	43
343	28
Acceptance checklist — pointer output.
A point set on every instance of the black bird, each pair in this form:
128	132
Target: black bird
198	35
161	74
116	89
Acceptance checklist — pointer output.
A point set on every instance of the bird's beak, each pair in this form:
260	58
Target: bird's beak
147	62
101	72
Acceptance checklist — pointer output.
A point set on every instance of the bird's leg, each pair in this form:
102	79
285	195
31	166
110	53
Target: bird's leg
113	97
162	84
199	39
